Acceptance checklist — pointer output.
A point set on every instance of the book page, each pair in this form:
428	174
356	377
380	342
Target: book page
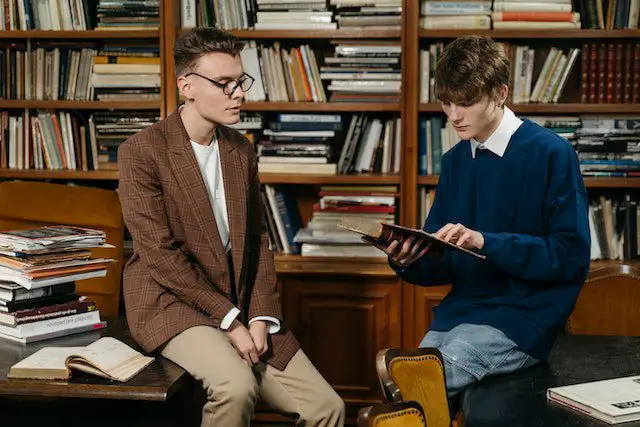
107	354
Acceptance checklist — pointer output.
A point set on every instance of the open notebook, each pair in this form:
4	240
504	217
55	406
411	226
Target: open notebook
107	357
380	234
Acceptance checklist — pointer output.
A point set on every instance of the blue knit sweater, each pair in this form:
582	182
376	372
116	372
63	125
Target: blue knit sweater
532	209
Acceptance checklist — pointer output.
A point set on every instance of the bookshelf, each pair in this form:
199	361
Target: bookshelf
358	294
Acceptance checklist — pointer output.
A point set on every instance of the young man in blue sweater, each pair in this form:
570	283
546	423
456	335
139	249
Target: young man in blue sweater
512	191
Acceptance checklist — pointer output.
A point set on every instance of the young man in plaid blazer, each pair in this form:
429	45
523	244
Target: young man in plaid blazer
201	284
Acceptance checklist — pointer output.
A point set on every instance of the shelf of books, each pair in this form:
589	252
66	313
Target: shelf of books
14	104
76	85
293	264
321	106
72	175
548	34
79	34
305	34
557	108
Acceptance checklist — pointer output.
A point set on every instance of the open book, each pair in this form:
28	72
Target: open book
613	401
380	234
107	357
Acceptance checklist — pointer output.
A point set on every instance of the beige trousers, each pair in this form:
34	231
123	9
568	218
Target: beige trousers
232	387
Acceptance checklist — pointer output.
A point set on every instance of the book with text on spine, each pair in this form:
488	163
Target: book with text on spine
380	234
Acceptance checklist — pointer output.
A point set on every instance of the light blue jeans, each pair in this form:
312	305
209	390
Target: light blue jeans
472	352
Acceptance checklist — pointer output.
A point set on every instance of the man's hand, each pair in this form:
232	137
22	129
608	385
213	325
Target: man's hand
412	249
243	342
259	332
461	236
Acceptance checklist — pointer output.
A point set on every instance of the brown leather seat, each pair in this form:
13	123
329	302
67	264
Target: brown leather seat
33	204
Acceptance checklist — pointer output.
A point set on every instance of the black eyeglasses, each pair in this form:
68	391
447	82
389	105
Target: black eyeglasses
244	82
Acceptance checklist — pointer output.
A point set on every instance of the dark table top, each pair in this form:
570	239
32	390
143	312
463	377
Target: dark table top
157	382
519	399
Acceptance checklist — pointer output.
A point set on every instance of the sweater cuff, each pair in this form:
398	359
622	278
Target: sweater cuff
494	245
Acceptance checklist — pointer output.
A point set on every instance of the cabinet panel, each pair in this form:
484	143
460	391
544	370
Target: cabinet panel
425	299
341	324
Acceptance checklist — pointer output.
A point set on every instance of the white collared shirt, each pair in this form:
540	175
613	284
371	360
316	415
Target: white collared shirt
499	139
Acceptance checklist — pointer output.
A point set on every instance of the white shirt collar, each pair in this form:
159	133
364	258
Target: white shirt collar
499	139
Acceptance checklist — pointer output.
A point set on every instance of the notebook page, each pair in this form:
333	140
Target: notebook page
47	358
107	353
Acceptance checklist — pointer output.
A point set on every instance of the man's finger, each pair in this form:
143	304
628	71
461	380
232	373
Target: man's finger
423	252
406	247
392	248
452	232
253	354
463	238
443	230
418	246
246	358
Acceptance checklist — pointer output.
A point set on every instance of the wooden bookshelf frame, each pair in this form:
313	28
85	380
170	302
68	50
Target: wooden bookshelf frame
8	104
74	35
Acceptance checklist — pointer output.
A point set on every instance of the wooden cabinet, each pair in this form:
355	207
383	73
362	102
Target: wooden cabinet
424	299
341	323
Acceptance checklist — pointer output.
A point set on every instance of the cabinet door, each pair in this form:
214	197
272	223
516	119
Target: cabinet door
425	299
341	323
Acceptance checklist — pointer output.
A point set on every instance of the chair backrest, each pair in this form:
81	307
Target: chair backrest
397	414
608	303
33	204
418	375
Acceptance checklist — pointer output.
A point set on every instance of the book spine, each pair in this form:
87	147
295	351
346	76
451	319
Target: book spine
54	311
51	325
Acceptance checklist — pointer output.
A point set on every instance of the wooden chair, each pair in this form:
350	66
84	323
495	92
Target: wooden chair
398	414
33	204
608	303
418	375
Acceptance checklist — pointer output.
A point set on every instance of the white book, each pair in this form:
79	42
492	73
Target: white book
612	401
9	275
455	7
27	330
508	6
188	14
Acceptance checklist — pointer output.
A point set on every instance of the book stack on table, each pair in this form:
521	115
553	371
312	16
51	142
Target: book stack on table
39	268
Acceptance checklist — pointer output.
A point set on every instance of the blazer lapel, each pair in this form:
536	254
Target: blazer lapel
187	172
234	171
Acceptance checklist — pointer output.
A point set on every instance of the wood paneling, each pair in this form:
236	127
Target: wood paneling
341	323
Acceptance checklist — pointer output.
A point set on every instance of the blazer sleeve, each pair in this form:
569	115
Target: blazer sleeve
265	298
144	214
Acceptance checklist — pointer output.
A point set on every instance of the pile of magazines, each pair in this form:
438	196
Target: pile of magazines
39	268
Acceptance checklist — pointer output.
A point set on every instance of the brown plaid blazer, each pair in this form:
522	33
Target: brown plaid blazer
178	276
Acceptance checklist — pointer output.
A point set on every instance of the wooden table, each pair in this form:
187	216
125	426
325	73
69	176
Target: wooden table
519	399
160	395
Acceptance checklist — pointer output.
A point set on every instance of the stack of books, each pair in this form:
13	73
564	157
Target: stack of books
299	144
362	204
38	271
